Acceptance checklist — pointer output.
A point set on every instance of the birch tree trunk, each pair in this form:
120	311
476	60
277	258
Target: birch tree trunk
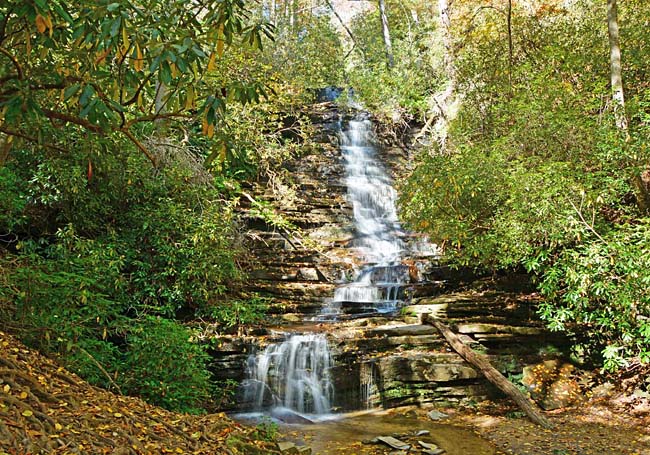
640	180
386	33
615	61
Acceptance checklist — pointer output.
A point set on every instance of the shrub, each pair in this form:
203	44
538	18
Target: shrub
163	365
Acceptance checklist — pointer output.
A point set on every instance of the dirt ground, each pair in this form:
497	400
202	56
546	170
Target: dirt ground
616	426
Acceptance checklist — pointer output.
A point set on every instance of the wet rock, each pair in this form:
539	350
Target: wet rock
394	442
422	433
288	416
436	415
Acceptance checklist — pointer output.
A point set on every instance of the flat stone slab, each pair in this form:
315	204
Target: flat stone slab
437	415
436	310
393	442
480	328
288	448
403	330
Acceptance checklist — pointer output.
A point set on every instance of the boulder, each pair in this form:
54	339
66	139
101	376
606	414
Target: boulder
288	416
552	384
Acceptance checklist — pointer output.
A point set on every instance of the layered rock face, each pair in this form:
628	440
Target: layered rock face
299	271
402	361
378	361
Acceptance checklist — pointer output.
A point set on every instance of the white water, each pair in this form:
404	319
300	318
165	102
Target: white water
378	285
293	374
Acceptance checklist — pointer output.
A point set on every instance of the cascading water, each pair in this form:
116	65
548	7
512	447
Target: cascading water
293	374
378	287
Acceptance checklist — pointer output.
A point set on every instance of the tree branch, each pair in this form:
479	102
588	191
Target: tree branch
30	139
152	117
72	119
491	374
19	69
140	146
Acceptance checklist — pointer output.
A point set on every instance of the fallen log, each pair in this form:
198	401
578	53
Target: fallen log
491	374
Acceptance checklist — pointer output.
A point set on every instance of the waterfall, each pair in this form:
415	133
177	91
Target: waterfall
378	287
293	374
367	385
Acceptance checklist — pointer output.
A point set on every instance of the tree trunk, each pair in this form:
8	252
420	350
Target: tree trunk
347	30
491	374
510	46
641	179
615	62
443	102
447	41
386	33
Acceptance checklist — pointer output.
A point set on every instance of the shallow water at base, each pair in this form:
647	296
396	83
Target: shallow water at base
342	434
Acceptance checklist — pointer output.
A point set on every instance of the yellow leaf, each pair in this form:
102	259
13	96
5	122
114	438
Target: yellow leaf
101	56
58	426
22	395
138	65
41	24
6	388
125	41
220	41
189	99
48	22
118	415
211	61
28	413
208	128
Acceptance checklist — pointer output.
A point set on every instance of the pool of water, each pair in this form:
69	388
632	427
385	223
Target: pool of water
343	434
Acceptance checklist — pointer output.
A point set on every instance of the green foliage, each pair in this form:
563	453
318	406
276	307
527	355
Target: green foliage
71	300
267	430
163	366
401	91
602	285
310	55
537	175
107	68
235	313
